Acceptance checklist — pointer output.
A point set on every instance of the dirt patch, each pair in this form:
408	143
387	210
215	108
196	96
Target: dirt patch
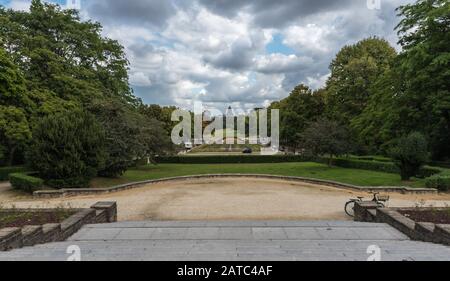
228	199
21	219
433	216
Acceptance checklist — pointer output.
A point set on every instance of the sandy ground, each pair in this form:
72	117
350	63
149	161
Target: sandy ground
224	199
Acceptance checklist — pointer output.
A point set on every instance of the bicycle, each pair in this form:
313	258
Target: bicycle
380	200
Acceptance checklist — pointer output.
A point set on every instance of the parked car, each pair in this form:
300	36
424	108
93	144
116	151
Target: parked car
247	150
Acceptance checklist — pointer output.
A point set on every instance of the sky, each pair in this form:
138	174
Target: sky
239	53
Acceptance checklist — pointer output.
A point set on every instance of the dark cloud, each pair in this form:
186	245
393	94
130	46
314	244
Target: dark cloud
270	13
142	12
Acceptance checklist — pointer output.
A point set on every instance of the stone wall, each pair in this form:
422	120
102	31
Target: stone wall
420	231
13	238
93	191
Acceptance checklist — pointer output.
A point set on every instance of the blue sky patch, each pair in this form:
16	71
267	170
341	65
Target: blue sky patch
277	46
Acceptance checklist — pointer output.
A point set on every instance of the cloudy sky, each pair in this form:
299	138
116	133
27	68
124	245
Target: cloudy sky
244	53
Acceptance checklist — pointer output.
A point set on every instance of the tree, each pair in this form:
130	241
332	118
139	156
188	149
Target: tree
68	149
424	101
160	113
12	83
14	131
353	72
325	137
63	55
410	154
2	153
14	127
378	125
296	111
68	65
131	136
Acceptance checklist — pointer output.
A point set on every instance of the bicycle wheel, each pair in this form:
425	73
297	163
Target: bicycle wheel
381	205
350	208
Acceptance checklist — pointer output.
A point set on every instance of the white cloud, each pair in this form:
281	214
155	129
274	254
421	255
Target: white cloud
280	63
20	5
215	51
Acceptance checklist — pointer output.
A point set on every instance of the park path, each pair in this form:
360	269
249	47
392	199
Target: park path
236	241
226	199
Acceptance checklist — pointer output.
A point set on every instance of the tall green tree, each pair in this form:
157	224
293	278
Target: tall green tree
69	66
424	103
14	131
14	127
60	53
353	72
296	112
414	95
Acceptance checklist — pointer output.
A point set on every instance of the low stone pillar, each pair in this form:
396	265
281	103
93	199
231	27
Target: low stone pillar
109	207
10	238
361	211
442	234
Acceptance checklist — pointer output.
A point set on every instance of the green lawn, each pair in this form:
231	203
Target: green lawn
311	170
224	148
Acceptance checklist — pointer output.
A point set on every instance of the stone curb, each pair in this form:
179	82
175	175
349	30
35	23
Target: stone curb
13	238
419	231
93	191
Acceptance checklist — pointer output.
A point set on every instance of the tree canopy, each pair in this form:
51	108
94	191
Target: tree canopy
53	63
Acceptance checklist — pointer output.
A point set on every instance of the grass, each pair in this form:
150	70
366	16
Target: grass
307	169
233	148
23	218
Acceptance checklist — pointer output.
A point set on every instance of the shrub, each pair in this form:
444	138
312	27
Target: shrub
6	171
67	149
427	171
366	165
440	164
440	182
25	182
231	159
326	137
410	154
69	182
387	167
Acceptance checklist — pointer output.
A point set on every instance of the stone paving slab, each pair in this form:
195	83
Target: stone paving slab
173	224
235	241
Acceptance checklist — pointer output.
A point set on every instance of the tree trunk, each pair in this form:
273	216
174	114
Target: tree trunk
11	156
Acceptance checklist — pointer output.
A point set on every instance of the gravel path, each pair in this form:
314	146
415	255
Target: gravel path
224	199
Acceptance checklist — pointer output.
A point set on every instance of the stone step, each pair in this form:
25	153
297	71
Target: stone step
235	241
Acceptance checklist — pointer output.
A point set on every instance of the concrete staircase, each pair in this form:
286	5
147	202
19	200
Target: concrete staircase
235	241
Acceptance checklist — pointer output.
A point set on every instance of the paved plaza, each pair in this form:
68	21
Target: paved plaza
235	241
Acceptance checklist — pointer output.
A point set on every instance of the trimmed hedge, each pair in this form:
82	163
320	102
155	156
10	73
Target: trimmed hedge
25	182
366	165
387	167
440	182
232	159
372	158
6	171
440	164
69	183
